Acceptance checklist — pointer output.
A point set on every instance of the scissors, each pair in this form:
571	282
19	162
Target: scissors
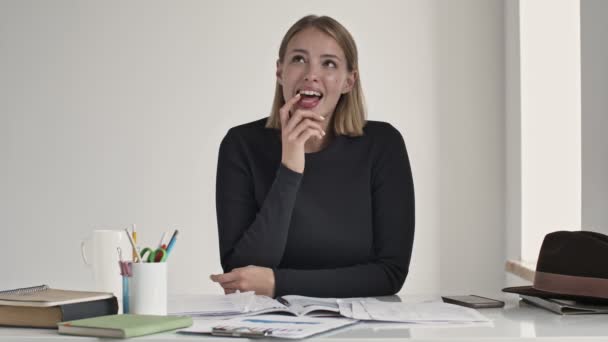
158	255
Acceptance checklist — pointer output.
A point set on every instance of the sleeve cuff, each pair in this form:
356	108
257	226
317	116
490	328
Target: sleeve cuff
279	283
289	175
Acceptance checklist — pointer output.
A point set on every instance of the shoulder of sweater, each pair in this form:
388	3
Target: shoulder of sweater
250	130
380	130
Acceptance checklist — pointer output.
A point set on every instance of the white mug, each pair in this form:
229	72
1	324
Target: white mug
148	288
103	259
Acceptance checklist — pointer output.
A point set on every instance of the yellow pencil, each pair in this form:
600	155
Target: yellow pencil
134	234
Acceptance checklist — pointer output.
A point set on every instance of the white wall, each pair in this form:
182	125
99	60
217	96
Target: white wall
111	113
543	123
513	177
550	120
470	104
557	132
594	87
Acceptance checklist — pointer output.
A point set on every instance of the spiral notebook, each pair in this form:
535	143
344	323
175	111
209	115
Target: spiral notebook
44	296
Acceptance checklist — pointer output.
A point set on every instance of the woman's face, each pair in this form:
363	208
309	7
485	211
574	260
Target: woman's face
314	65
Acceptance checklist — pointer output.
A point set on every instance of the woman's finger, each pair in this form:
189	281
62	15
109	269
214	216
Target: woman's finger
300	115
284	111
231	285
223	278
304	124
307	134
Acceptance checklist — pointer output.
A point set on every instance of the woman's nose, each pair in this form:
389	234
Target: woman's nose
312	73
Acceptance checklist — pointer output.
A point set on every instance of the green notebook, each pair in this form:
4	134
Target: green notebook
123	326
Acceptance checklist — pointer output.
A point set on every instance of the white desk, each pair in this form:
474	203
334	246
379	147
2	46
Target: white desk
514	322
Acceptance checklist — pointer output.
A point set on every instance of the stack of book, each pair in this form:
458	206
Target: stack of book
44	307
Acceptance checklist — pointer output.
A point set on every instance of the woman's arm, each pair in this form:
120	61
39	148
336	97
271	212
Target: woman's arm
366	280
250	235
256	236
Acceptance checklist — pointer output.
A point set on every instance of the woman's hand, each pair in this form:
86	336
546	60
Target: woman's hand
250	278
296	129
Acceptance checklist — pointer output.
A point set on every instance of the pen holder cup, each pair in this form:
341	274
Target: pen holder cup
148	288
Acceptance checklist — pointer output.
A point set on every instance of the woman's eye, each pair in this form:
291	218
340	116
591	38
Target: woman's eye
297	59
330	64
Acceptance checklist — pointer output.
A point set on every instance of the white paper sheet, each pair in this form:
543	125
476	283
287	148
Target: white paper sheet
359	311
428	312
278	325
211	305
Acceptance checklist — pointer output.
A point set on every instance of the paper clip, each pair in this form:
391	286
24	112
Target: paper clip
240	332
125	273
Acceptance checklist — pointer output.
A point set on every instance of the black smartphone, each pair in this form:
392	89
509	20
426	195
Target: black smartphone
473	301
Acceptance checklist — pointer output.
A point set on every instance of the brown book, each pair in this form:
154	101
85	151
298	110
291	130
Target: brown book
43	307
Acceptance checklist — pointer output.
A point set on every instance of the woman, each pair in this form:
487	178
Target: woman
315	200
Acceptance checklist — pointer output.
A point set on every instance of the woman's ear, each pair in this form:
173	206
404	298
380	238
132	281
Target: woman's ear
279	72
350	82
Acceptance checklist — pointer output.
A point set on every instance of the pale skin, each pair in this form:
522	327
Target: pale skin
313	60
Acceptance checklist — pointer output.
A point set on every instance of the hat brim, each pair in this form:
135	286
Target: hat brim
531	291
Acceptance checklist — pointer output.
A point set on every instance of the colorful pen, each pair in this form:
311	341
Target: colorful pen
172	242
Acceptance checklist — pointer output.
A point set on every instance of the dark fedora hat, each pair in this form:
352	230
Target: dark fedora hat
571	265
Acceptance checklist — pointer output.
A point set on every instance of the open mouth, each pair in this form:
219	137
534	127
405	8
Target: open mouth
309	98
310	94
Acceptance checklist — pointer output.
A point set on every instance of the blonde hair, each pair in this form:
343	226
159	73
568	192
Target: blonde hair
349	115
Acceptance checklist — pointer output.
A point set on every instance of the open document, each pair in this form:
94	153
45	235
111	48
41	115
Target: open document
368	309
425	312
279	326
247	303
210	305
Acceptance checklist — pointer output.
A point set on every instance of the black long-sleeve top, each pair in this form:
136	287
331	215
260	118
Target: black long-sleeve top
343	228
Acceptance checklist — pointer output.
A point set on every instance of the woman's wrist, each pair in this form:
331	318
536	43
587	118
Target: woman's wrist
292	165
272	284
